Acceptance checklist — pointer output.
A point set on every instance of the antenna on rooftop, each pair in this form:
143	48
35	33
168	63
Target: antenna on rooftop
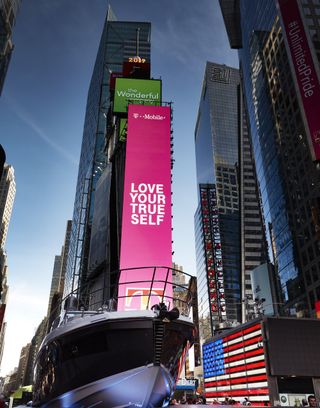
137	41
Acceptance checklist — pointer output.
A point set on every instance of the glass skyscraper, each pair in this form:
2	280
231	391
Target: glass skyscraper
8	12
228	222
92	225
288	172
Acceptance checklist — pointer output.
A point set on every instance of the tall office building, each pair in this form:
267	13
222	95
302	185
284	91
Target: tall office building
36	341
58	278
23	362
90	242
64	257
279	52
7	194
55	281
228	222
3	298
8	12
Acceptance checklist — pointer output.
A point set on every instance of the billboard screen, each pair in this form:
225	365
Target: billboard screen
293	346
146	238
137	91
305	73
132	69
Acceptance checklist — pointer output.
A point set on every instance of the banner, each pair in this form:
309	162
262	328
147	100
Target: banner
305	73
146	239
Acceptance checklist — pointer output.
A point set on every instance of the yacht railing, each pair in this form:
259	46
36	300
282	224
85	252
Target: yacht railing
181	293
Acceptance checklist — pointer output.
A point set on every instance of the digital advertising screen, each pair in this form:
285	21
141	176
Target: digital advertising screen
136	91
146	239
305	72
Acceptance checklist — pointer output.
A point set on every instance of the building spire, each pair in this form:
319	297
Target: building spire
110	14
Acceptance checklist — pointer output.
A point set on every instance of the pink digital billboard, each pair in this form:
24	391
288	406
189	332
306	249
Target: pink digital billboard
146	237
305	72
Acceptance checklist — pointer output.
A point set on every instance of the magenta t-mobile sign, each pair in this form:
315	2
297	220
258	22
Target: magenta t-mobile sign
146	239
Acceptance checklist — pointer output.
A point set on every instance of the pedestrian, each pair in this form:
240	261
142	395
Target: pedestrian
312	401
201	400
2	401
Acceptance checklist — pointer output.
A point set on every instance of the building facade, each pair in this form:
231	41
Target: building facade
7	194
89	253
8	12
228	222
21	373
36	341
58	278
2	159
55	281
279	49
3	298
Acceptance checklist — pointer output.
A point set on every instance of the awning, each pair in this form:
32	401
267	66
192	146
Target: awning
18	393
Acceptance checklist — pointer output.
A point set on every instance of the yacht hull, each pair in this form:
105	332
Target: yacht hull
116	359
143	387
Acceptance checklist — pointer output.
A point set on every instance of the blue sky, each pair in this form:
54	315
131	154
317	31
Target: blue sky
41	119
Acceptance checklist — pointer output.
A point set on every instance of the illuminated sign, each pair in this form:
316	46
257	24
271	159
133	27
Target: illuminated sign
138	298
186	384
213	252
305	73
137	59
146	218
136	91
234	366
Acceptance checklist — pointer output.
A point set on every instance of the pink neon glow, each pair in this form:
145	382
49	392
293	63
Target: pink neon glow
305	72
146	216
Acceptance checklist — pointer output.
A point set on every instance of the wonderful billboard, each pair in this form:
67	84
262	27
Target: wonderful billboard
146	236
304	70
136	91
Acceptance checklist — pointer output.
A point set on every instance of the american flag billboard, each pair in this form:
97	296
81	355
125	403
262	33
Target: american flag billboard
234	366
